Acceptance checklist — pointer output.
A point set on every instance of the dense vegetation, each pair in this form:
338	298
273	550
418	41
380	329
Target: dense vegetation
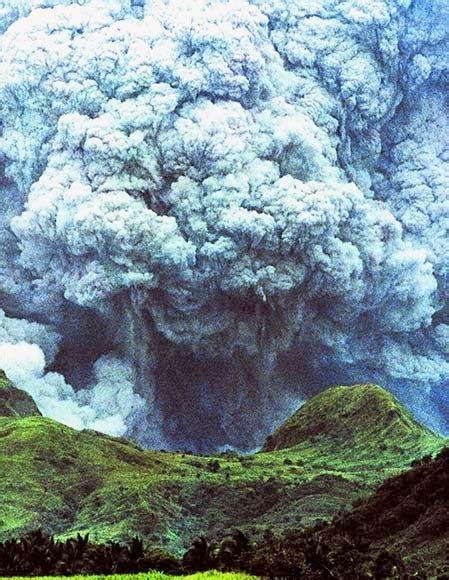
66	481
154	575
379	538
38	554
400	531
298	554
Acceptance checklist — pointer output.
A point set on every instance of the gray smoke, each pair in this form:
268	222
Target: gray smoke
211	209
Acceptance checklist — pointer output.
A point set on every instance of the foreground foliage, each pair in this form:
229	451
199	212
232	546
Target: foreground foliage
298	554
38	554
209	575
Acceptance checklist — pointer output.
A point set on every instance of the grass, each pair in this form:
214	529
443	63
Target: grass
152	576
338	448
363	417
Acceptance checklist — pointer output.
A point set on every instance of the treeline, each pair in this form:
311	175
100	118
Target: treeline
37	554
298	554
410	509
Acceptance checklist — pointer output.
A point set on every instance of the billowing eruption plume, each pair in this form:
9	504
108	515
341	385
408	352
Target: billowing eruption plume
211	209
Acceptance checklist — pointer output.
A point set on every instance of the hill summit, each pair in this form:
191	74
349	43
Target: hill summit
350	416
14	402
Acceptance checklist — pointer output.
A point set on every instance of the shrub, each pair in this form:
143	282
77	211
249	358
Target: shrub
213	466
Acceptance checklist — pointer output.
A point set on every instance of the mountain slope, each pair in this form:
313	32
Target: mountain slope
365	417
407	515
13	401
65	480
399	532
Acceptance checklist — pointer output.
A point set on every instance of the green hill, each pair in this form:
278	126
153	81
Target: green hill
67	481
363	417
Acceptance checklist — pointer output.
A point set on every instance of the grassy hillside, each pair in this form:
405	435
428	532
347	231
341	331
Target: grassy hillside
400	531
364	417
67	481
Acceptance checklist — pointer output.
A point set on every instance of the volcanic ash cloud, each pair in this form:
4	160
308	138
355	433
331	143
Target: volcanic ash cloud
211	209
